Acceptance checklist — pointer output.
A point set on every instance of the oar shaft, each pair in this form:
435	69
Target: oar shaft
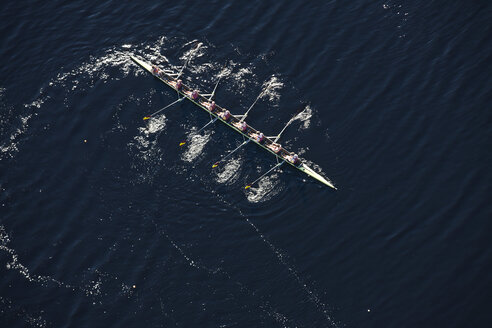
237	148
270	170
246	114
212	121
232	152
160	110
282	131
216	84
197	132
188	60
256	100
215	88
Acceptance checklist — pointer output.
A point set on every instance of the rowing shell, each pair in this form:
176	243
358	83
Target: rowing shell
203	102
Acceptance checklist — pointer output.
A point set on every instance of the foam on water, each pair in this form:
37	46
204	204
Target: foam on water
9	146
154	125
16	265
271	89
305	117
148	154
91	288
230	172
195	146
241	77
9	309
265	189
95	67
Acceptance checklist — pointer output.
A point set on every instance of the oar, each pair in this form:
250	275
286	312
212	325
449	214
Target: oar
246	114
211	95
270	170
228	155
188	60
288	123
197	132
257	98
160	110
215	88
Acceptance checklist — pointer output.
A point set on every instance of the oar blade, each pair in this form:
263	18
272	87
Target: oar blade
270	170
182	143
146	118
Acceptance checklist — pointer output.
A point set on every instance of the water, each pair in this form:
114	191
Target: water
106	221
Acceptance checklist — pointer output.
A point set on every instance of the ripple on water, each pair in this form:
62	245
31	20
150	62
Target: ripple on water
265	189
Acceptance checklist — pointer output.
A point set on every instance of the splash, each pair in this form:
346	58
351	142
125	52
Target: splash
266	188
230	173
195	147
154	125
305	117
193	53
271	89
95	69
240	78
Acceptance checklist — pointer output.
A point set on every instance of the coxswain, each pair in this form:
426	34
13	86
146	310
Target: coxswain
179	84
194	95
241	125
225	115
275	147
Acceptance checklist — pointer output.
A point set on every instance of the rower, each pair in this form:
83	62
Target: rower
179	84
194	95
275	147
208	105
155	70
259	136
225	115
241	125
293	158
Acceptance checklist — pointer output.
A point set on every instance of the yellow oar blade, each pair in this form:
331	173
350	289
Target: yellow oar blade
215	165
248	186
146	118
182	143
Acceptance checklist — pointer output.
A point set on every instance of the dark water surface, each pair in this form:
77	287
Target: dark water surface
127	229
